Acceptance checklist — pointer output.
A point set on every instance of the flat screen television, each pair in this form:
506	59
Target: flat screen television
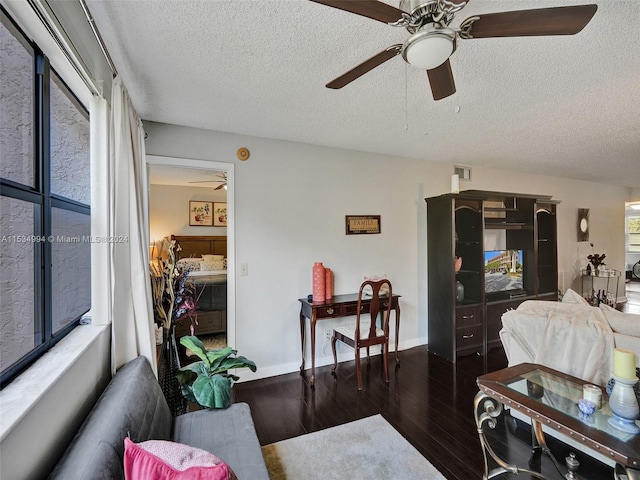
503	271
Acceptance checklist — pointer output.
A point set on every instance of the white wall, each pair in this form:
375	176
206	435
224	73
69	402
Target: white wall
31	448
291	200
169	210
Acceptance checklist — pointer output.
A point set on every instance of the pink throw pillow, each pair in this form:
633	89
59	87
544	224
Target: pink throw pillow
161	459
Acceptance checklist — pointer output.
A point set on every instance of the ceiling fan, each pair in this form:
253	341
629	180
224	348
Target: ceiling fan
222	181
433	41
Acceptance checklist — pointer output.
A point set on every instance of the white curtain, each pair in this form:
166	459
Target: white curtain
100	207
132	326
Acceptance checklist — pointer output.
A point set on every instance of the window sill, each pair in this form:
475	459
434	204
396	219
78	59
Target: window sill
19	397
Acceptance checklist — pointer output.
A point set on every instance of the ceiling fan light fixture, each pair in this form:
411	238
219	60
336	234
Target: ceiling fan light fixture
430	47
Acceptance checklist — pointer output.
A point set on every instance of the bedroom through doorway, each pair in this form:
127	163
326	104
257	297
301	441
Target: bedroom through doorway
191	201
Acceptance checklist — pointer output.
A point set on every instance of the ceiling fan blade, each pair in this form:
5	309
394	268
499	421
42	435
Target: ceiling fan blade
220	186
364	67
441	81
522	23
367	8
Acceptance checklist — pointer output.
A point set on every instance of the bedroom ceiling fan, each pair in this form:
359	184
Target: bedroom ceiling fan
222	181
432	41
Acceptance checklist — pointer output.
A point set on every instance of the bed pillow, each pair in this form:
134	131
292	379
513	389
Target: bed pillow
620	322
167	460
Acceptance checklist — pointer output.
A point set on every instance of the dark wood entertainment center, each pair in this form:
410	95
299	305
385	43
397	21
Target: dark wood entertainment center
458	225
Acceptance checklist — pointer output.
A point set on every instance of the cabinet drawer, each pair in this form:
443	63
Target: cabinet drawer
330	312
352	309
210	321
468	316
468	337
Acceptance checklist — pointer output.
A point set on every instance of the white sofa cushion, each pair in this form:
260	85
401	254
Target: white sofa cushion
620	322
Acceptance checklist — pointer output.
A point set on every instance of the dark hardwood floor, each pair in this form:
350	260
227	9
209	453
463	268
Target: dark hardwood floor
428	400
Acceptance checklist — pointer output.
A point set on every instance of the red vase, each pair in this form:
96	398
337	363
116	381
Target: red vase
328	289
319	283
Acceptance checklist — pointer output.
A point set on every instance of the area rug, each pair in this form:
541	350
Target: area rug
364	449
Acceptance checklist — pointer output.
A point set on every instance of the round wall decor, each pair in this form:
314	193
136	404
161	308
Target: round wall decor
243	154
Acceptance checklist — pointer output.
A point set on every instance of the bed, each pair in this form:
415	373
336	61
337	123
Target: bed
211	285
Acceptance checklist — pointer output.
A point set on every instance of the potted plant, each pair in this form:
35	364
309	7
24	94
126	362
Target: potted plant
208	382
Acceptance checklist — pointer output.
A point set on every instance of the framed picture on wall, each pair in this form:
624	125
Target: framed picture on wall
219	214
200	214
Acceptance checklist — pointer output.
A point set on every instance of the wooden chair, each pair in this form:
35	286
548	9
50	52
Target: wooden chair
365	333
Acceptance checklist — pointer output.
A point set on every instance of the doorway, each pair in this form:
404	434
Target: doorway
194	174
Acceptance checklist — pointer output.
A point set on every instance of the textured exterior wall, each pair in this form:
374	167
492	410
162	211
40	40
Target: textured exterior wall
69	148
71	260
16	280
16	109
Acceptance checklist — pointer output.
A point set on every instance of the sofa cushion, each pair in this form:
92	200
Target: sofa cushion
228	433
161	459
131	405
620	322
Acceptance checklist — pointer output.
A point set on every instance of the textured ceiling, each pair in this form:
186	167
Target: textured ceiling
566	106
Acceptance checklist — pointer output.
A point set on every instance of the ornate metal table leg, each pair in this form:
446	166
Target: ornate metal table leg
622	473
541	444
486	410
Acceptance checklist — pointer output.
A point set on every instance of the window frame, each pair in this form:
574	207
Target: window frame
40	194
627	234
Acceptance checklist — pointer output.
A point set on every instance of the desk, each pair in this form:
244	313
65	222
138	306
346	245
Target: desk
550	398
338	306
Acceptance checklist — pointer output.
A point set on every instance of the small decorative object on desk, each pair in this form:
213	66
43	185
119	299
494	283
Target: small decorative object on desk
593	394
623	401
328	290
587	407
319	283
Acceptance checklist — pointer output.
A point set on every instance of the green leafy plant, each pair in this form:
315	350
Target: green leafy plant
208	382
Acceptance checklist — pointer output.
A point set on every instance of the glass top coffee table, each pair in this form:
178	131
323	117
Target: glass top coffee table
550	398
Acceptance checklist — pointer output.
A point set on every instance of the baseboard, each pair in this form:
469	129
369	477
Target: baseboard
324	357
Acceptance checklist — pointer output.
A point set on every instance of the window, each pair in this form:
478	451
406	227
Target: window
45	243
632	232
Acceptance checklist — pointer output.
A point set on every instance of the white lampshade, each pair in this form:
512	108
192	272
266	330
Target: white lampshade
429	48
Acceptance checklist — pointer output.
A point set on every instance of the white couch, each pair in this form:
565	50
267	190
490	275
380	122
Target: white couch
570	336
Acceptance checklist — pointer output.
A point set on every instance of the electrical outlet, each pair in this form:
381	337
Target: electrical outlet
327	334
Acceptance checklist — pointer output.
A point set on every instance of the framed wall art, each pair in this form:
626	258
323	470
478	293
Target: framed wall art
200	214
362	224
219	214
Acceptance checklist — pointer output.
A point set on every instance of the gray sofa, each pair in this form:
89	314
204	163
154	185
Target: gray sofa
133	405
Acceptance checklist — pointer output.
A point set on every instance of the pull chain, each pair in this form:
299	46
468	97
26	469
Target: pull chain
406	101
